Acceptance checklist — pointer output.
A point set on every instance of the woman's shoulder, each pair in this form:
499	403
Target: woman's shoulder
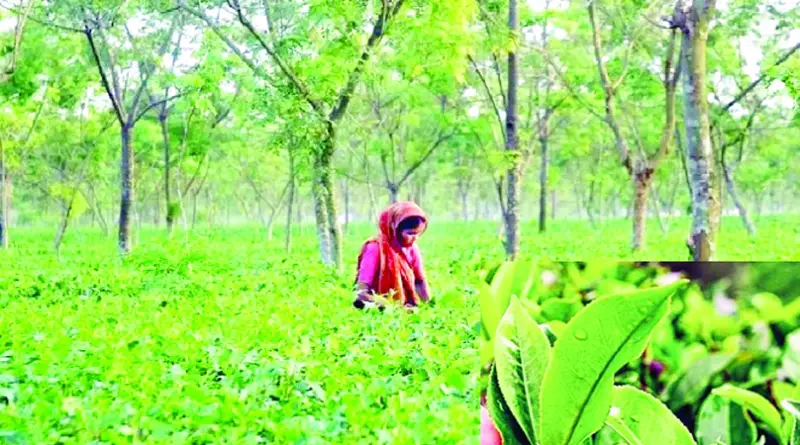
370	246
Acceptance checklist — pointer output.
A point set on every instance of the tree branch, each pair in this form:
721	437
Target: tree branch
670	83
157	103
760	78
232	46
103	78
42	21
284	67
490	96
567	85
378	31
224	114
442	138
499	79
610	119
148	74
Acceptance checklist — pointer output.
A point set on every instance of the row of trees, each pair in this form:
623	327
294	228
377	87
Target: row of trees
623	40
249	104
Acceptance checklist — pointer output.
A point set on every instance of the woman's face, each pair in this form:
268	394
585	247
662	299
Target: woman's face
409	236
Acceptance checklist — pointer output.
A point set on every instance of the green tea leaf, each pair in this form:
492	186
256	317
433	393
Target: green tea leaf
619	431
769	306
791	357
494	298
689	387
522	354
756	404
560	309
640	418
598	341
506	424
722	420
792	427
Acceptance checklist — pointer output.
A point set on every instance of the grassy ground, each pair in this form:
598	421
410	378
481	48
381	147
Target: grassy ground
227	341
777	238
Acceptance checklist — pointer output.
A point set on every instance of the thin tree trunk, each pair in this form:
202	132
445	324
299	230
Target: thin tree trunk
168	198
328	193
705	205
300	215
656	203
321	212
543	140
553	204
292	181
463	193
346	203
641	185
321	217
194	208
512	142
731	186
127	192
4	192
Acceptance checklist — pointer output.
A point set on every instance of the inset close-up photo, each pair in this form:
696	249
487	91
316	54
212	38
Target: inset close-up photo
605	353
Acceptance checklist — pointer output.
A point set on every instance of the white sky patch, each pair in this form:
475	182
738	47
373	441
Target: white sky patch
396	76
752	55
533	34
8	24
137	26
260	22
227	86
470	92
474	111
792	39
539	5
784	6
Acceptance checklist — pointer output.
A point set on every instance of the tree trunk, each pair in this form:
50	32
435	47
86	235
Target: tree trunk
701	159
270	227
656	204
553	204
543	139
290	207
168	199
4	198
731	186
62	229
346	203
321	214
464	195
393	189
127	192
513	174
641	185
329	194
194	208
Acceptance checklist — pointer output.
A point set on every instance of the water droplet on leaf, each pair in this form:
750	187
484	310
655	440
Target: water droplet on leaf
580	334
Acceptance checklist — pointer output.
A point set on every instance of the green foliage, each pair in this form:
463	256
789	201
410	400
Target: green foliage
721	385
566	398
227	338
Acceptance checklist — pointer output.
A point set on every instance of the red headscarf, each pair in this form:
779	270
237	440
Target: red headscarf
394	274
